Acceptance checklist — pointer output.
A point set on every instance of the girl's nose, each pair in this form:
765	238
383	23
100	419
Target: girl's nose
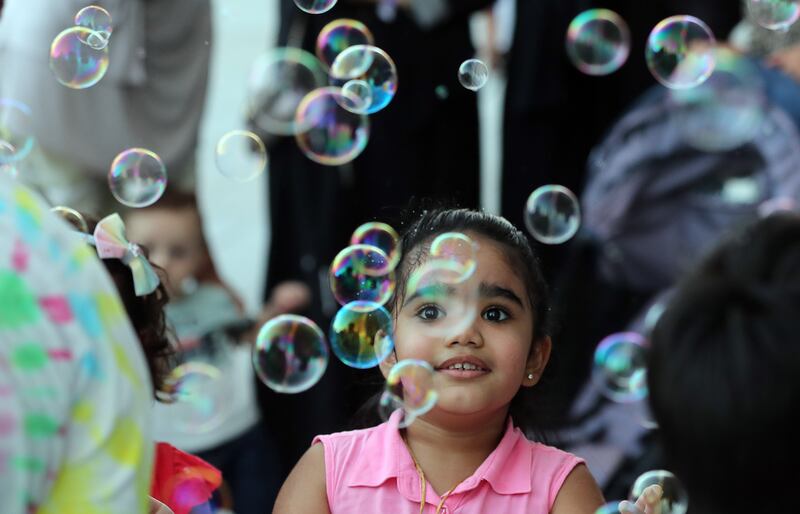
470	336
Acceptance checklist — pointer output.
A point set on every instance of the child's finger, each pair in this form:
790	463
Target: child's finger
626	507
650	499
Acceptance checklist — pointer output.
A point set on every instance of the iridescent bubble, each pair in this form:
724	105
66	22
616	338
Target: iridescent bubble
380	235
71	216
358	96
458	248
680	52
410	384
315	6
728	109
279	80
439	293
598	41
77	64
199	402
473	74
241	155
361	334
7	151
290	354
331	135
339	35
619	367
16	130
361	272
97	20
369	64
388	404
774	14
552	214
662	491
137	177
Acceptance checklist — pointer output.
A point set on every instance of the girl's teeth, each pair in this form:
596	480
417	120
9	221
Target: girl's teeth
464	366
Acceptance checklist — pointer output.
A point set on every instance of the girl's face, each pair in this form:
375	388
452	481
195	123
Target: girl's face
174	240
497	348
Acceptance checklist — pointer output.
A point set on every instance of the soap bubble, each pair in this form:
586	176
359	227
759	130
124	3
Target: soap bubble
388	404
16	131
339	35
331	135
315	6
198	399
552	214
673	496
77	64
362	272
620	367
290	354
98	21
279	80
137	177
369	64
361	334
473	74
382	236
774	14
410	387
458	248
728	109
241	155
680	52
358	94
71	216
598	41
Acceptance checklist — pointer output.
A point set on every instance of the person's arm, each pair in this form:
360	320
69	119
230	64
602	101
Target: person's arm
579	494
304	490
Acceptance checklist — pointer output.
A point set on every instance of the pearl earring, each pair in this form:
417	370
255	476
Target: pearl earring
530	376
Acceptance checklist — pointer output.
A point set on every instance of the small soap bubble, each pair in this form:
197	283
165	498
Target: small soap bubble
662	492
458	248
75	63
315	6
339	35
389	404
16	131
680	52
369	64
358	94
361	334
440	295
473	74
279	80
598	41
382	236
290	354
328	133
197	397
98	21
71	216
137	177
774	14
241	155
362	272
619	367
410	384
552	214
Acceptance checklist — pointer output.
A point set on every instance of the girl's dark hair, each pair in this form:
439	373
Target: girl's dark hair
146	314
415	243
724	372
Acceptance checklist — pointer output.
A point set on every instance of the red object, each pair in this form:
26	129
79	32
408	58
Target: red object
182	481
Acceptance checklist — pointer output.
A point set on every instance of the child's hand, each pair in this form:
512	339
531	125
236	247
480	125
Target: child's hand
649	502
288	296
156	507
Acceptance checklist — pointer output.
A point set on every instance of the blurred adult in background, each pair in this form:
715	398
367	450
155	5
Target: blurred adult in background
151	96
423	144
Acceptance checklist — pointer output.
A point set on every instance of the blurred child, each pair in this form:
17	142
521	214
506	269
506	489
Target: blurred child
210	323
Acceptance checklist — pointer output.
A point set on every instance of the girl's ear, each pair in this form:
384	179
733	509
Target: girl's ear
537	361
387	363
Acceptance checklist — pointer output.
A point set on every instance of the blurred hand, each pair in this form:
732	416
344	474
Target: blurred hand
286	297
649	502
787	60
156	507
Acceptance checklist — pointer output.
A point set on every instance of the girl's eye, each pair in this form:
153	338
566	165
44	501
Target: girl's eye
430	313
495	314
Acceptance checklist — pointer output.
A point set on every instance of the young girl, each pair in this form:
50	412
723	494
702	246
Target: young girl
209	322
467	455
